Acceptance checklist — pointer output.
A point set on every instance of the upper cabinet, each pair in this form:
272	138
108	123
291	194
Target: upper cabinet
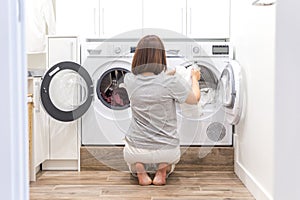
119	16
208	19
165	14
77	18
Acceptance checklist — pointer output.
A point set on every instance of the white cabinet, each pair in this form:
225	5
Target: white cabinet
80	18
40	127
55	144
97	18
208	18
119	16
63	136
165	14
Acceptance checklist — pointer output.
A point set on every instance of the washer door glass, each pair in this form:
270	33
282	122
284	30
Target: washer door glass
227	82
230	84
66	91
110	90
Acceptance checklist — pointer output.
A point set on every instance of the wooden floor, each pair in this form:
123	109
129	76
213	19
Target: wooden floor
115	185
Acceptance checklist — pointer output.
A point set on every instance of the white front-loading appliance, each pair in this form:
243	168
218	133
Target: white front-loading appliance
211	122
108	119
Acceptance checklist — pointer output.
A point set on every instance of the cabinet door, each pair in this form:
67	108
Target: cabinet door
119	16
79	18
62	49
40	127
63	140
63	135
165	14
208	18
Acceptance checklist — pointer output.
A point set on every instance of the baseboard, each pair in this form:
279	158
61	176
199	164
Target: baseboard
60	165
251	183
254	187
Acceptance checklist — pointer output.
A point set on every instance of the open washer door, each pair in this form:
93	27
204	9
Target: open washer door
231	87
66	91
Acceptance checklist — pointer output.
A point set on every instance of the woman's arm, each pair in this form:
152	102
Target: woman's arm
194	95
171	72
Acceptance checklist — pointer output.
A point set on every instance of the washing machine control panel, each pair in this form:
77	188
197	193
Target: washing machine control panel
212	49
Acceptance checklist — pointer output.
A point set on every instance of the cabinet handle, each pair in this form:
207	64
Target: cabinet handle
72	51
103	21
94	10
36	96
190	20
181	20
259	3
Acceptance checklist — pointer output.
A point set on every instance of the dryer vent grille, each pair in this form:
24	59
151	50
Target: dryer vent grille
216	131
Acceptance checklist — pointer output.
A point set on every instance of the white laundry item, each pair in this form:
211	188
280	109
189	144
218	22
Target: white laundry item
40	21
186	110
208	96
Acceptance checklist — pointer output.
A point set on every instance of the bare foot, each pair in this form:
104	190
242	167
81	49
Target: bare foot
161	175
143	177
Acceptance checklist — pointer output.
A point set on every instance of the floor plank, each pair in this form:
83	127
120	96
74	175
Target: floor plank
115	185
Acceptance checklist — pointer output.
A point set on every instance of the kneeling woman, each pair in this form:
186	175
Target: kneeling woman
152	141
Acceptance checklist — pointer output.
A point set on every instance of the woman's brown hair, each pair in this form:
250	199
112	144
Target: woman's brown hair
149	56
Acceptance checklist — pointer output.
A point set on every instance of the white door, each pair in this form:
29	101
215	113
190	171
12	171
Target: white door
119	16
165	14
208	18
230	85
79	18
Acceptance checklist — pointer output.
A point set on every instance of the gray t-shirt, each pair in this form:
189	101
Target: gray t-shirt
152	101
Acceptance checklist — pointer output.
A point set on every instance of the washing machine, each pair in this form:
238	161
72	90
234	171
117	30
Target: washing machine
211	122
108	119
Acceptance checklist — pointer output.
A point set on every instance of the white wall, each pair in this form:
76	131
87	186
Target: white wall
287	98
253	34
14	141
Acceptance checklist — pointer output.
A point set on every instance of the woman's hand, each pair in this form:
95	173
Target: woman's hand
194	95
196	74
171	72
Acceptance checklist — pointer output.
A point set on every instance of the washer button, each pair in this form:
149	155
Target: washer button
117	50
196	50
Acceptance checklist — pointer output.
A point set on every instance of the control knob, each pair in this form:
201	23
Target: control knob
196	50
117	50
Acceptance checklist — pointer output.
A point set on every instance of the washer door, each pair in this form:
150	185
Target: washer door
230	82
66	91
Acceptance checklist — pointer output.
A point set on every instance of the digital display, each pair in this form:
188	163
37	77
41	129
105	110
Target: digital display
220	49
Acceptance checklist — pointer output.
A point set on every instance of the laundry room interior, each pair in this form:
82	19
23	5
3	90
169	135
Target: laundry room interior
68	127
